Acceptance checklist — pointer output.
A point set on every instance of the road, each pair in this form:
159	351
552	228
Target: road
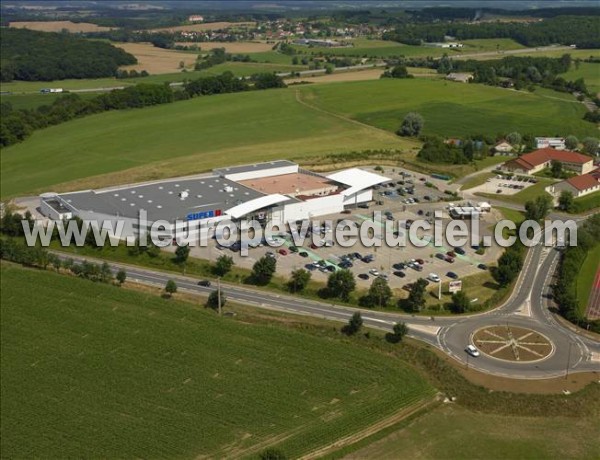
527	307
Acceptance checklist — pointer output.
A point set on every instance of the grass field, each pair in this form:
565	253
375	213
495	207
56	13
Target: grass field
156	60
476	180
181	138
586	278
512	214
232	47
33	100
450	432
587	202
490	44
590	72
451	109
108	372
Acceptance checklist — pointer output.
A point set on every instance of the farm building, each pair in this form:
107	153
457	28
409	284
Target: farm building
277	191
503	148
462	77
538	160
550	142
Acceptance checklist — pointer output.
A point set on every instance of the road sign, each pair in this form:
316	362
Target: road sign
454	286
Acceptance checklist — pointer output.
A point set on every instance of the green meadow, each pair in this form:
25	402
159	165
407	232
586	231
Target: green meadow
92	370
181	138
590	72
451	109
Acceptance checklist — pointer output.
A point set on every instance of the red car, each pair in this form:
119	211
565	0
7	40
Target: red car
283	252
420	261
313	246
451	253
450	260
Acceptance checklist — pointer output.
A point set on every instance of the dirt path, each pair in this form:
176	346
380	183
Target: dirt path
369	431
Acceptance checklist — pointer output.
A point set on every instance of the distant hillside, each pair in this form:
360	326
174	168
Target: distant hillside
43	56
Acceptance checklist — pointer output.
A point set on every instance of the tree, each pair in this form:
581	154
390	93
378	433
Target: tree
170	288
263	270
223	265
354	324
121	276
556	168
460	302
416	296
539	208
340	284
299	280
268	80
213	299
412	124
590	145
399	331
514	138
55	261
571	142
399	71
182	253
379	293
566	200
509	265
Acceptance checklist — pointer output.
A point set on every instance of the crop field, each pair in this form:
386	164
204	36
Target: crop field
450	432
106	372
590	72
375	48
451	109
182	138
586	278
59	26
156	60
233	47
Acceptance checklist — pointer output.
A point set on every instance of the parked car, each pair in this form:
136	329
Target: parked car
374	272
440	256
363	276
303	254
270	254
293	249
420	261
460	251
474	352
418	267
363	206
433	277
283	252
451	253
399	274
452	275
399	266
204	283
310	267
482	266
449	259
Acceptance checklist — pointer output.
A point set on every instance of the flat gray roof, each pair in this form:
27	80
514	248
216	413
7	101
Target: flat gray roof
162	200
253	167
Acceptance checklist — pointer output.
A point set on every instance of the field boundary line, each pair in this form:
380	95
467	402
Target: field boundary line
370	430
342	117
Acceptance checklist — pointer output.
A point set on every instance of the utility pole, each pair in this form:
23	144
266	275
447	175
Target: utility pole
219	296
440	289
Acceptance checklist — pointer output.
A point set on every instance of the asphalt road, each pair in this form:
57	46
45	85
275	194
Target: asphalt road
527	307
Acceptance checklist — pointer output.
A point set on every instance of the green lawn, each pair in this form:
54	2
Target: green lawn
91	370
586	278
512	214
33	100
587	203
450	432
451	109
181	138
590	72
476	180
490	44
375	49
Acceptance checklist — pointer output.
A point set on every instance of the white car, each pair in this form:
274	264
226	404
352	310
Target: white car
433	277
474	352
374	272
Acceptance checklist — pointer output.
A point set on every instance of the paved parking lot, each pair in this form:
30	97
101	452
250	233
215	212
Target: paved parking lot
504	186
385	260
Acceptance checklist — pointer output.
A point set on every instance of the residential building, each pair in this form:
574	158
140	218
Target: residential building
531	163
579	186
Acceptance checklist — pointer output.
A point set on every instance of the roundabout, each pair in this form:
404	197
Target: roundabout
512	343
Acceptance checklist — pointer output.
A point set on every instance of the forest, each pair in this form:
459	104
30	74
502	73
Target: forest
45	56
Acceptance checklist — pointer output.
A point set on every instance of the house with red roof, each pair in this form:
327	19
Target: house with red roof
578	185
538	160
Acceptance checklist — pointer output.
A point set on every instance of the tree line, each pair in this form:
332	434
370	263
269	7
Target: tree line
17	125
571	261
566	30
44	56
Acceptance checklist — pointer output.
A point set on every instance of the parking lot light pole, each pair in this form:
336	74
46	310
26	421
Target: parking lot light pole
219	296
440	289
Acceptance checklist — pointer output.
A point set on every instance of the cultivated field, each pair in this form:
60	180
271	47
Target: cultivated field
370	74
450	432
451	109
156	60
182	138
207	26
233	47
106	372
59	26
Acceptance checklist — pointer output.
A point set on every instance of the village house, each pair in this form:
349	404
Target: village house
531	163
